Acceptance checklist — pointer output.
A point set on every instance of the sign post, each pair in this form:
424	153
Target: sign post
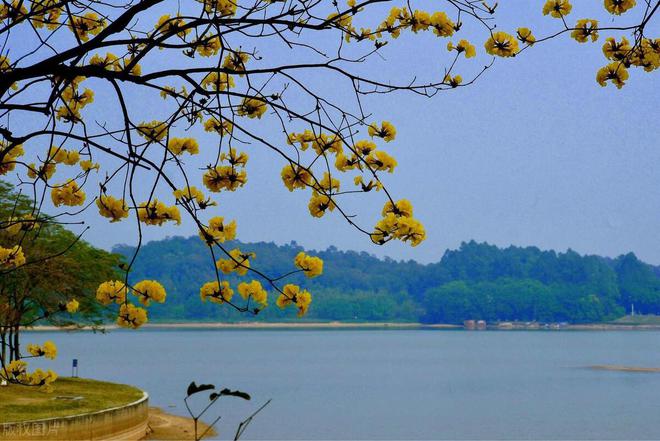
74	368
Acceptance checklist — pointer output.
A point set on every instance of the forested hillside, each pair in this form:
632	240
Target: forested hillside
478	281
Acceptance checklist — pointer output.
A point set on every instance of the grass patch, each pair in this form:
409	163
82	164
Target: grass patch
22	403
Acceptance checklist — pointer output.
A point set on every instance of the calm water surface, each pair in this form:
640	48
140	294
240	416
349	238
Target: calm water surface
389	384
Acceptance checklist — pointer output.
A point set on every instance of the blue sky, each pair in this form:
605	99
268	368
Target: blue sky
534	153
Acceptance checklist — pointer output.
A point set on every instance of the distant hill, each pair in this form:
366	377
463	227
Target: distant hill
478	281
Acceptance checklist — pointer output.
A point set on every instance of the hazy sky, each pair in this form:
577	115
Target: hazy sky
534	153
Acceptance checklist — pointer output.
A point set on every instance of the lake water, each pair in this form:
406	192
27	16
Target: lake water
390	384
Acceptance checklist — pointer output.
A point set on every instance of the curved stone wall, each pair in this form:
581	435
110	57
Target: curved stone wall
125	423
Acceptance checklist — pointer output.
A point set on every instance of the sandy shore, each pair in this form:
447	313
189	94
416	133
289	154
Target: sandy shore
165	426
614	367
264	325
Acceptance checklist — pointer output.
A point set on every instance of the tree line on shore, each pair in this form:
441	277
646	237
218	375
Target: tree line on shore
475	281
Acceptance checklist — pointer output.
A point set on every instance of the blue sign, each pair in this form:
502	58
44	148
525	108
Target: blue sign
75	362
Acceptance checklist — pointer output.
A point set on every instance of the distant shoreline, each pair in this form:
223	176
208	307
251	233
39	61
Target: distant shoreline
365	325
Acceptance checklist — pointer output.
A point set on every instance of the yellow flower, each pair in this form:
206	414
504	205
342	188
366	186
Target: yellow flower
464	47
112	208
111	291
41	378
44	171
252	107
224	177
401	208
190	194
453	81
319	204
585	29
222	8
255	291
68	194
72	306
234	158
208	46
218	81
442	25
16	368
131	316
8	162
48	350
311	266
525	36
180	145
557	8
327	143
343	163
11	257
614	50
295	176
379	160
157	213
328	184
87	165
238	262
149	290
168	25
501	44
236	61
615	72
386	131
223	127
216	293
152	131
292	295
218	231
618	7
85	25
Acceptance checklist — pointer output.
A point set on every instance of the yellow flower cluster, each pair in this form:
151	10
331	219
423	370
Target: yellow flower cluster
236	61
223	127
501	44
85	25
72	306
178	146
218	81
238	262
218	231
216	292
131	316
112	208
168	25
68	194
208	47
8	162
398	223
189	194
149	290
464	47
225	177
252	107
312	266
73	100
645	54
320	203
254	291
557	8
48	350
112	291
618	7
45	13
152	131
87	165
14	225
386	130
113	63
157	213
525	36
584	29
15	369
60	155
292	295
296	176
222	8
44	171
